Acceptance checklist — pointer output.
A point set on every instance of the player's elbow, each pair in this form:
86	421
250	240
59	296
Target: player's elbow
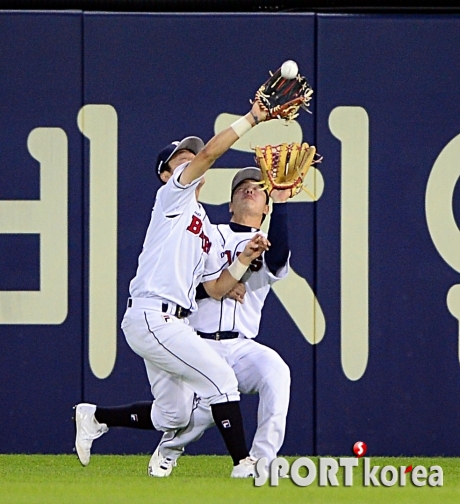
213	291
217	297
208	155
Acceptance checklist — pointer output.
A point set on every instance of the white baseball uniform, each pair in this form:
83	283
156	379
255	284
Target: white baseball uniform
178	249
258	368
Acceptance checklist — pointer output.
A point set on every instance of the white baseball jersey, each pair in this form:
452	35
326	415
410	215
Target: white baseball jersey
177	246
227	314
171	262
258	368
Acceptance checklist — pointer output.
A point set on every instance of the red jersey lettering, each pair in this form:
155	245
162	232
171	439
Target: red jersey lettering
205	243
195	226
229	256
256	264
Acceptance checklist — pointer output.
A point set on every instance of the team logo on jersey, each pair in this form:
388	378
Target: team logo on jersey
195	227
255	265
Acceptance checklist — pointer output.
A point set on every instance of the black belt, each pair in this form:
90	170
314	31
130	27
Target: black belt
153	303
219	335
179	312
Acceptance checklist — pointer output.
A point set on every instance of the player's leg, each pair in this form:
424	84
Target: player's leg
259	369
172	443
200	420
173	346
93	421
136	415
171	409
176	401
173	399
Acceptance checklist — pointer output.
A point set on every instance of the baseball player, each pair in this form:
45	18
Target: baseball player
229	326
178	253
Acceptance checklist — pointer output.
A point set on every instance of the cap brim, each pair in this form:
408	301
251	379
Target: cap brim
191	143
249	173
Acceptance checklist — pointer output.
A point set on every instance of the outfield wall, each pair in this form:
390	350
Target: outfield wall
368	319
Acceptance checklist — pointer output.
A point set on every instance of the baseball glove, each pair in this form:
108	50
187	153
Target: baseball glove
282	98
285	166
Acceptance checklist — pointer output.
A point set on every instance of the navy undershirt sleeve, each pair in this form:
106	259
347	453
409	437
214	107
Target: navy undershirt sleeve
201	292
278	254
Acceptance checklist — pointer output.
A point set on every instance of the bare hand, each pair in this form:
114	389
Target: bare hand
237	293
254	249
258	111
280	195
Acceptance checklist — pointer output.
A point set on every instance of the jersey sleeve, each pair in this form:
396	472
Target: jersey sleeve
175	197
278	254
280	273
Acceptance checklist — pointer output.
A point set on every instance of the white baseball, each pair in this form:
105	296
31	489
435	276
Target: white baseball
289	69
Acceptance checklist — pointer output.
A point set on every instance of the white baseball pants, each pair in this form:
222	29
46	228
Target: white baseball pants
259	369
179	363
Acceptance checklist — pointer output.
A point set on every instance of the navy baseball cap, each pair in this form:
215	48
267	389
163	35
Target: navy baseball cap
191	143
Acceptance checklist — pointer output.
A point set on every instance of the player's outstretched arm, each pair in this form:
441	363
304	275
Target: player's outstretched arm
278	255
220	144
230	276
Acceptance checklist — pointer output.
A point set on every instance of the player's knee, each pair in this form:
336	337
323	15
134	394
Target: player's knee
281	371
221	386
286	373
181	419
228	384
170	420
279	377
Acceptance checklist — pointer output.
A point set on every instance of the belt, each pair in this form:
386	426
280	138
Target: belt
219	335
159	305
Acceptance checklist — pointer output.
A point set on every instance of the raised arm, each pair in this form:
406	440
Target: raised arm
278	234
220	143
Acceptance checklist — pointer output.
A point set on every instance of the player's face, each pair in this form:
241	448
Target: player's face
180	157
249	196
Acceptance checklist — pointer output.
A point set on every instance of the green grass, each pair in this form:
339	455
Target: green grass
113	479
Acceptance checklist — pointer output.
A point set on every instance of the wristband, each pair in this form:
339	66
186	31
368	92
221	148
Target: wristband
237	269
241	126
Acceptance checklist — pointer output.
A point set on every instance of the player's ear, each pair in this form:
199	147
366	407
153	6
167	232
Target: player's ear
165	176
230	207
